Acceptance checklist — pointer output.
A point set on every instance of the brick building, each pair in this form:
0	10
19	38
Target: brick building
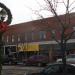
35	37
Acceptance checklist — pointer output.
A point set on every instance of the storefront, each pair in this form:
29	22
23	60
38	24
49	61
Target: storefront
9	50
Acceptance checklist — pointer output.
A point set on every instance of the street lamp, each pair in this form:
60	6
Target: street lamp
3	24
2	14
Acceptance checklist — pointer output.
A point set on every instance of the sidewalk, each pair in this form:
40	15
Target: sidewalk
19	70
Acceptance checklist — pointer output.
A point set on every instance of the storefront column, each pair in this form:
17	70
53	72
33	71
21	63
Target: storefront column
3	50
50	55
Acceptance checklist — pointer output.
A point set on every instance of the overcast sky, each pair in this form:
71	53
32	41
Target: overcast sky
23	10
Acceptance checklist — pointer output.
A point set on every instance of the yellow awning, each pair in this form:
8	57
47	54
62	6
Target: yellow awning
33	47
28	47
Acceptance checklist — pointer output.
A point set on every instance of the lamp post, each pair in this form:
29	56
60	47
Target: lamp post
5	20
2	28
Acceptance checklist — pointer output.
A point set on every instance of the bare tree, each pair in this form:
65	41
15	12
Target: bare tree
51	6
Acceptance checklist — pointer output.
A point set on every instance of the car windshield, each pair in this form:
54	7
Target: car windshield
50	68
71	56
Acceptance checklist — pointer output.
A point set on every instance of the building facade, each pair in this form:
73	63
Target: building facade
35	38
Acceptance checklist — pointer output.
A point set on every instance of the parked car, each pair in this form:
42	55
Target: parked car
69	59
40	60
56	69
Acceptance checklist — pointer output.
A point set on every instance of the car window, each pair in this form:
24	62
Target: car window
71	56
51	68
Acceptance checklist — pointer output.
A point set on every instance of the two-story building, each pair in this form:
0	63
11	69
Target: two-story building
34	37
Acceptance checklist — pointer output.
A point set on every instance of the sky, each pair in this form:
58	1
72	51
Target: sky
27	10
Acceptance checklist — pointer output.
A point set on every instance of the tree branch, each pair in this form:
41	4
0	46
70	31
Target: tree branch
68	36
72	3
53	11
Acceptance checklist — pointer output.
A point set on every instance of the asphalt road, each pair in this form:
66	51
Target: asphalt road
19	70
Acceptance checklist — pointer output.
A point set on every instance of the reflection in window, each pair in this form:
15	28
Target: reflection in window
42	35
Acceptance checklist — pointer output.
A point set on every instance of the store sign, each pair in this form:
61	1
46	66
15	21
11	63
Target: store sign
19	48
28	47
33	47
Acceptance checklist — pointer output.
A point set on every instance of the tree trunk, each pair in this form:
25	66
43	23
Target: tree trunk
63	49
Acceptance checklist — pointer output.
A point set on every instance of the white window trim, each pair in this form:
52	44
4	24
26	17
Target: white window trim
13	38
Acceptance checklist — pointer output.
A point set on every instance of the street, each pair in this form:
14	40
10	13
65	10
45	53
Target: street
19	70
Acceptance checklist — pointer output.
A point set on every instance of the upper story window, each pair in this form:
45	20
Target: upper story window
13	38
48	35
32	36
29	36
2	38
42	35
7	38
26	37
18	38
